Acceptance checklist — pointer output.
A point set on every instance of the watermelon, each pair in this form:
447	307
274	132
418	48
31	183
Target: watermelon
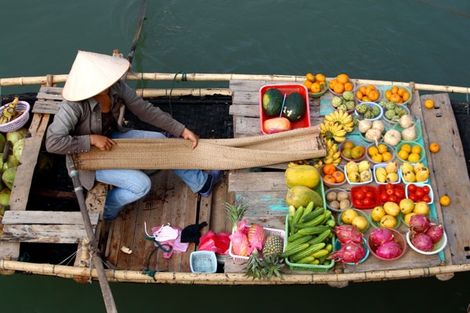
272	102
294	108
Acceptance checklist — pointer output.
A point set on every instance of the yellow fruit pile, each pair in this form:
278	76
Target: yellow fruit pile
397	95
368	93
380	153
410	153
351	151
351	217
358	172
387	174
414	173
332	154
315	83
341	84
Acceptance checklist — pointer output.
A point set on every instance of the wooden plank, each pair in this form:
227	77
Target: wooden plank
218	218
44	233
189	216
51	90
47	106
47	217
449	168
49	96
245	126
20	193
248	85
256	181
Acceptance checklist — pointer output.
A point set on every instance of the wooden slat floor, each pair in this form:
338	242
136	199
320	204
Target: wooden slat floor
169	201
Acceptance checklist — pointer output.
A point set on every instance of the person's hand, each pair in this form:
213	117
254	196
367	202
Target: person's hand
189	135
102	142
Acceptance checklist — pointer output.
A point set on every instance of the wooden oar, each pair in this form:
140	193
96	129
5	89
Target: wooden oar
140	25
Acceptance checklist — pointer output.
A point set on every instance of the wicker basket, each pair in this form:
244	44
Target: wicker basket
18	122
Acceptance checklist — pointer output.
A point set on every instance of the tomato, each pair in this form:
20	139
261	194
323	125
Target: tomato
383	197
413	197
359	202
359	195
419	193
389	186
393	198
411	188
368	202
426	198
426	189
400	194
389	192
370	195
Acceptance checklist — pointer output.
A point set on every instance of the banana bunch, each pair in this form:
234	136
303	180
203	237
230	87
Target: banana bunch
9	113
333	155
341	118
332	131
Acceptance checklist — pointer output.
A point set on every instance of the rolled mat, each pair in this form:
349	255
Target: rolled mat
217	154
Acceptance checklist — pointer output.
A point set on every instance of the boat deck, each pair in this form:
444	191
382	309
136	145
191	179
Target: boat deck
262	189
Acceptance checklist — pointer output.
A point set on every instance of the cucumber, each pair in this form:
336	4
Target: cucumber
306	252
320	253
315	262
294	237
329	247
307	210
320	237
295	249
331	222
298	214
312	215
306	260
300	240
313	230
316	221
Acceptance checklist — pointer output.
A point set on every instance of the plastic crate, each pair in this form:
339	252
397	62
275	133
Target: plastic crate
286	89
307	267
238	259
203	262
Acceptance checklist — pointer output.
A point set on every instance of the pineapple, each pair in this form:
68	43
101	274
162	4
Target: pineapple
263	268
235	212
272	246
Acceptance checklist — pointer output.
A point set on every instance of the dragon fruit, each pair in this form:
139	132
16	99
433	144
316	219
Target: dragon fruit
435	232
379	236
419	223
350	252
422	241
240	244
389	250
256	237
348	233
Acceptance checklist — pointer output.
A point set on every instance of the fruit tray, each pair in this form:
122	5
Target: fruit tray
364	197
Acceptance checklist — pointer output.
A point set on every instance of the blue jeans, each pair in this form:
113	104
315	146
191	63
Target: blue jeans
131	185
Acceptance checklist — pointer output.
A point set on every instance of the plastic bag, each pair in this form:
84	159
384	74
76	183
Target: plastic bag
216	242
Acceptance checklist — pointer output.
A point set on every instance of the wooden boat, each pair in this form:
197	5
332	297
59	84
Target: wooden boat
263	191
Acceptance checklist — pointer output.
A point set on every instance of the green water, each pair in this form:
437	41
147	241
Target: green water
421	41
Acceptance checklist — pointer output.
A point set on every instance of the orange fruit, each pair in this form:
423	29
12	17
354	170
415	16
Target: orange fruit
388	94
363	90
348	86
338	176
387	156
320	78
434	147
402	154
444	200
310	77
401	91
405	96
339	88
342	78
329	169
308	84
329	179
395	90
395	98
315	88
373	95
359	95
333	83
429	104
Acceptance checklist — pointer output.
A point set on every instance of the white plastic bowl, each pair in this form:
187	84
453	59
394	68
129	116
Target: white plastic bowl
431	193
203	262
438	247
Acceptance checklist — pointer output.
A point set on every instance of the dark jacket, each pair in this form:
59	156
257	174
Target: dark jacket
75	121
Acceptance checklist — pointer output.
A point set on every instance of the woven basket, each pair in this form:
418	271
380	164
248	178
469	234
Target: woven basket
18	122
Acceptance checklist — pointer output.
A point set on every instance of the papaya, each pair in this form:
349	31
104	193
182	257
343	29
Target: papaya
301	196
275	125
294	107
302	175
272	102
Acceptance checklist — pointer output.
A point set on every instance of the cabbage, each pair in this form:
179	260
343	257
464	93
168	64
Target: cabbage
13	137
8	177
18	149
348	95
336	101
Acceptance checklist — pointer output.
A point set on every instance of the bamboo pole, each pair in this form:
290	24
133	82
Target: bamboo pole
61	78
176	92
230	278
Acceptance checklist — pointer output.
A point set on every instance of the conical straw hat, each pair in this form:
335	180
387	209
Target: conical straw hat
92	73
